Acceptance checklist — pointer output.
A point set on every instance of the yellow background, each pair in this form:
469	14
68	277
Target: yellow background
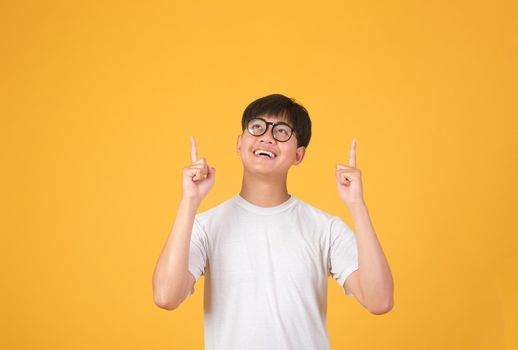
97	103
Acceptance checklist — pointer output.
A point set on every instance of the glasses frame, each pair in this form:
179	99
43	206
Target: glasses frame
273	126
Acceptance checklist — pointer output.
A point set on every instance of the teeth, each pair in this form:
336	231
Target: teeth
270	154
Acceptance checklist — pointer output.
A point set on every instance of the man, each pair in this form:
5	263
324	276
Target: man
265	254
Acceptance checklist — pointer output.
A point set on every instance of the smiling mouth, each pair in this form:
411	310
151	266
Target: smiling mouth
264	154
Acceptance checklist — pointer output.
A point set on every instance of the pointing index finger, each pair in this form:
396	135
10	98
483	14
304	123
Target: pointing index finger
194	150
352	154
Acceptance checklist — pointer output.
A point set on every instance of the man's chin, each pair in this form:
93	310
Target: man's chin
262	170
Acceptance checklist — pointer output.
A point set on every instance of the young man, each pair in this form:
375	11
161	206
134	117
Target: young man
265	254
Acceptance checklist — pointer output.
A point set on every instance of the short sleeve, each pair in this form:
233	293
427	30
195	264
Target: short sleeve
197	252
343	252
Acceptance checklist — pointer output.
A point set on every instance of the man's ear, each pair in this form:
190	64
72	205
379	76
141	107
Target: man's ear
238	144
299	155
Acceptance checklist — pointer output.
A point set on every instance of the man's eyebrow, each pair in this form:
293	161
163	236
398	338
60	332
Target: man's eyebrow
282	120
285	123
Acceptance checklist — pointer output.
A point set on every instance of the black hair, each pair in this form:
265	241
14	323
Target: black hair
277	105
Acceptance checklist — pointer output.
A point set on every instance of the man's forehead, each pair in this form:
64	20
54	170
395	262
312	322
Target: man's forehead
274	118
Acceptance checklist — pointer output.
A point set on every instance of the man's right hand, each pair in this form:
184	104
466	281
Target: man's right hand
198	178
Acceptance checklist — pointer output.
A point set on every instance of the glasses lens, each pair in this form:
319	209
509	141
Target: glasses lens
256	126
282	132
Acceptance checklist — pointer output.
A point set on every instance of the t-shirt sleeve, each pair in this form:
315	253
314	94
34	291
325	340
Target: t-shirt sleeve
197	252
343	252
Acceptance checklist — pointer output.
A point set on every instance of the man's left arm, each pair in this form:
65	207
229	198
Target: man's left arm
372	283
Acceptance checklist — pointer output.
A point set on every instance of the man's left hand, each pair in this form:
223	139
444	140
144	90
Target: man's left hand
349	181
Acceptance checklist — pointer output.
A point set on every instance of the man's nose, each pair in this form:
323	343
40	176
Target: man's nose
268	135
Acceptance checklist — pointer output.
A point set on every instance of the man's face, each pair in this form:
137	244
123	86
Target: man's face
285	154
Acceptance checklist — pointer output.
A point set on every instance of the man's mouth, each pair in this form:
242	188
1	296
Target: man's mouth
264	154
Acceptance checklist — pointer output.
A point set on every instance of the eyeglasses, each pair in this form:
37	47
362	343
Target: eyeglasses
280	131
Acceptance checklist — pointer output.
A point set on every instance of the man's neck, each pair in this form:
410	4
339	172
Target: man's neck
264	191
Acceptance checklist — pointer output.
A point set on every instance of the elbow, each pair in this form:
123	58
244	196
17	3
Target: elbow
382	308
165	303
166	296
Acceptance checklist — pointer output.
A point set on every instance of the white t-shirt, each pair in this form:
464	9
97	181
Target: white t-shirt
266	273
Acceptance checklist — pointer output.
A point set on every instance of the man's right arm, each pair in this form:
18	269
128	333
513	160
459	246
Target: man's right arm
172	281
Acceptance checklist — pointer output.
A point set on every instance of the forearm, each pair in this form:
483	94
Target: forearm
374	272
170	275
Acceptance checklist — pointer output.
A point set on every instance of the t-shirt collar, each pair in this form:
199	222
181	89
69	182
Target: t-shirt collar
264	210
